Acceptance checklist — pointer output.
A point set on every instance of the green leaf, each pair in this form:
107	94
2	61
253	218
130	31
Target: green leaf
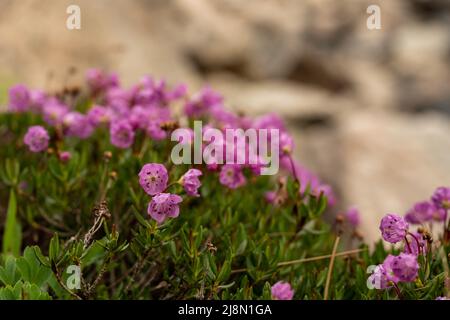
140	218
12	169
224	272
8	273
42	259
267	292
10	292
12	236
31	268
30	291
207	267
54	248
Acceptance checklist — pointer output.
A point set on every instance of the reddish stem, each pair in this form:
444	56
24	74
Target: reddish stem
407	243
419	247
398	292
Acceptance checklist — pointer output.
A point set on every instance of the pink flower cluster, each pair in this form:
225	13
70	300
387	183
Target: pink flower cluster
143	107
144	110
395	229
153	179
395	269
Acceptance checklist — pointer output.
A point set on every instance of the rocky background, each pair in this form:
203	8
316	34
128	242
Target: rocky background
369	109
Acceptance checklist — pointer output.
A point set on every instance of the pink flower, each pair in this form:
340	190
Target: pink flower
122	134
441	197
202	102
118	100
151	92
405	267
308	179
99	115
54	112
178	92
421	212
232	176
37	139
153	178
157	116
65	156
286	143
393	228
269	121
271	197
282	291
77	125
37	100
139	117
99	80
163	206
191	182
19	98
155	132
327	192
387	267
353	217
379	278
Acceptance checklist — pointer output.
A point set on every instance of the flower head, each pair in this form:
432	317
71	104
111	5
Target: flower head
65	156
122	134
271	197
393	228
286	143
98	115
353	216
99	80
191	182
202	102
282	291
441	197
54	112
421	212
232	176
77	125
119	99
387	267
269	121
153	178
37	139
19	98
163	206
405	267
37	100
327	192
379	278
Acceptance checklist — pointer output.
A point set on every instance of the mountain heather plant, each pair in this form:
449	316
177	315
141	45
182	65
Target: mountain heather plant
93	207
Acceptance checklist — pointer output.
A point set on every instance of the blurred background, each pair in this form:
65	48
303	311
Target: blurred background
370	109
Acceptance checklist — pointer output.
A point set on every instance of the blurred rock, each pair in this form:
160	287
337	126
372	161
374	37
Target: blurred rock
391	161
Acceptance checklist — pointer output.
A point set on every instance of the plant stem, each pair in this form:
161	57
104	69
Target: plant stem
99	277
398	292
419	247
310	259
407	243
330	268
61	283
